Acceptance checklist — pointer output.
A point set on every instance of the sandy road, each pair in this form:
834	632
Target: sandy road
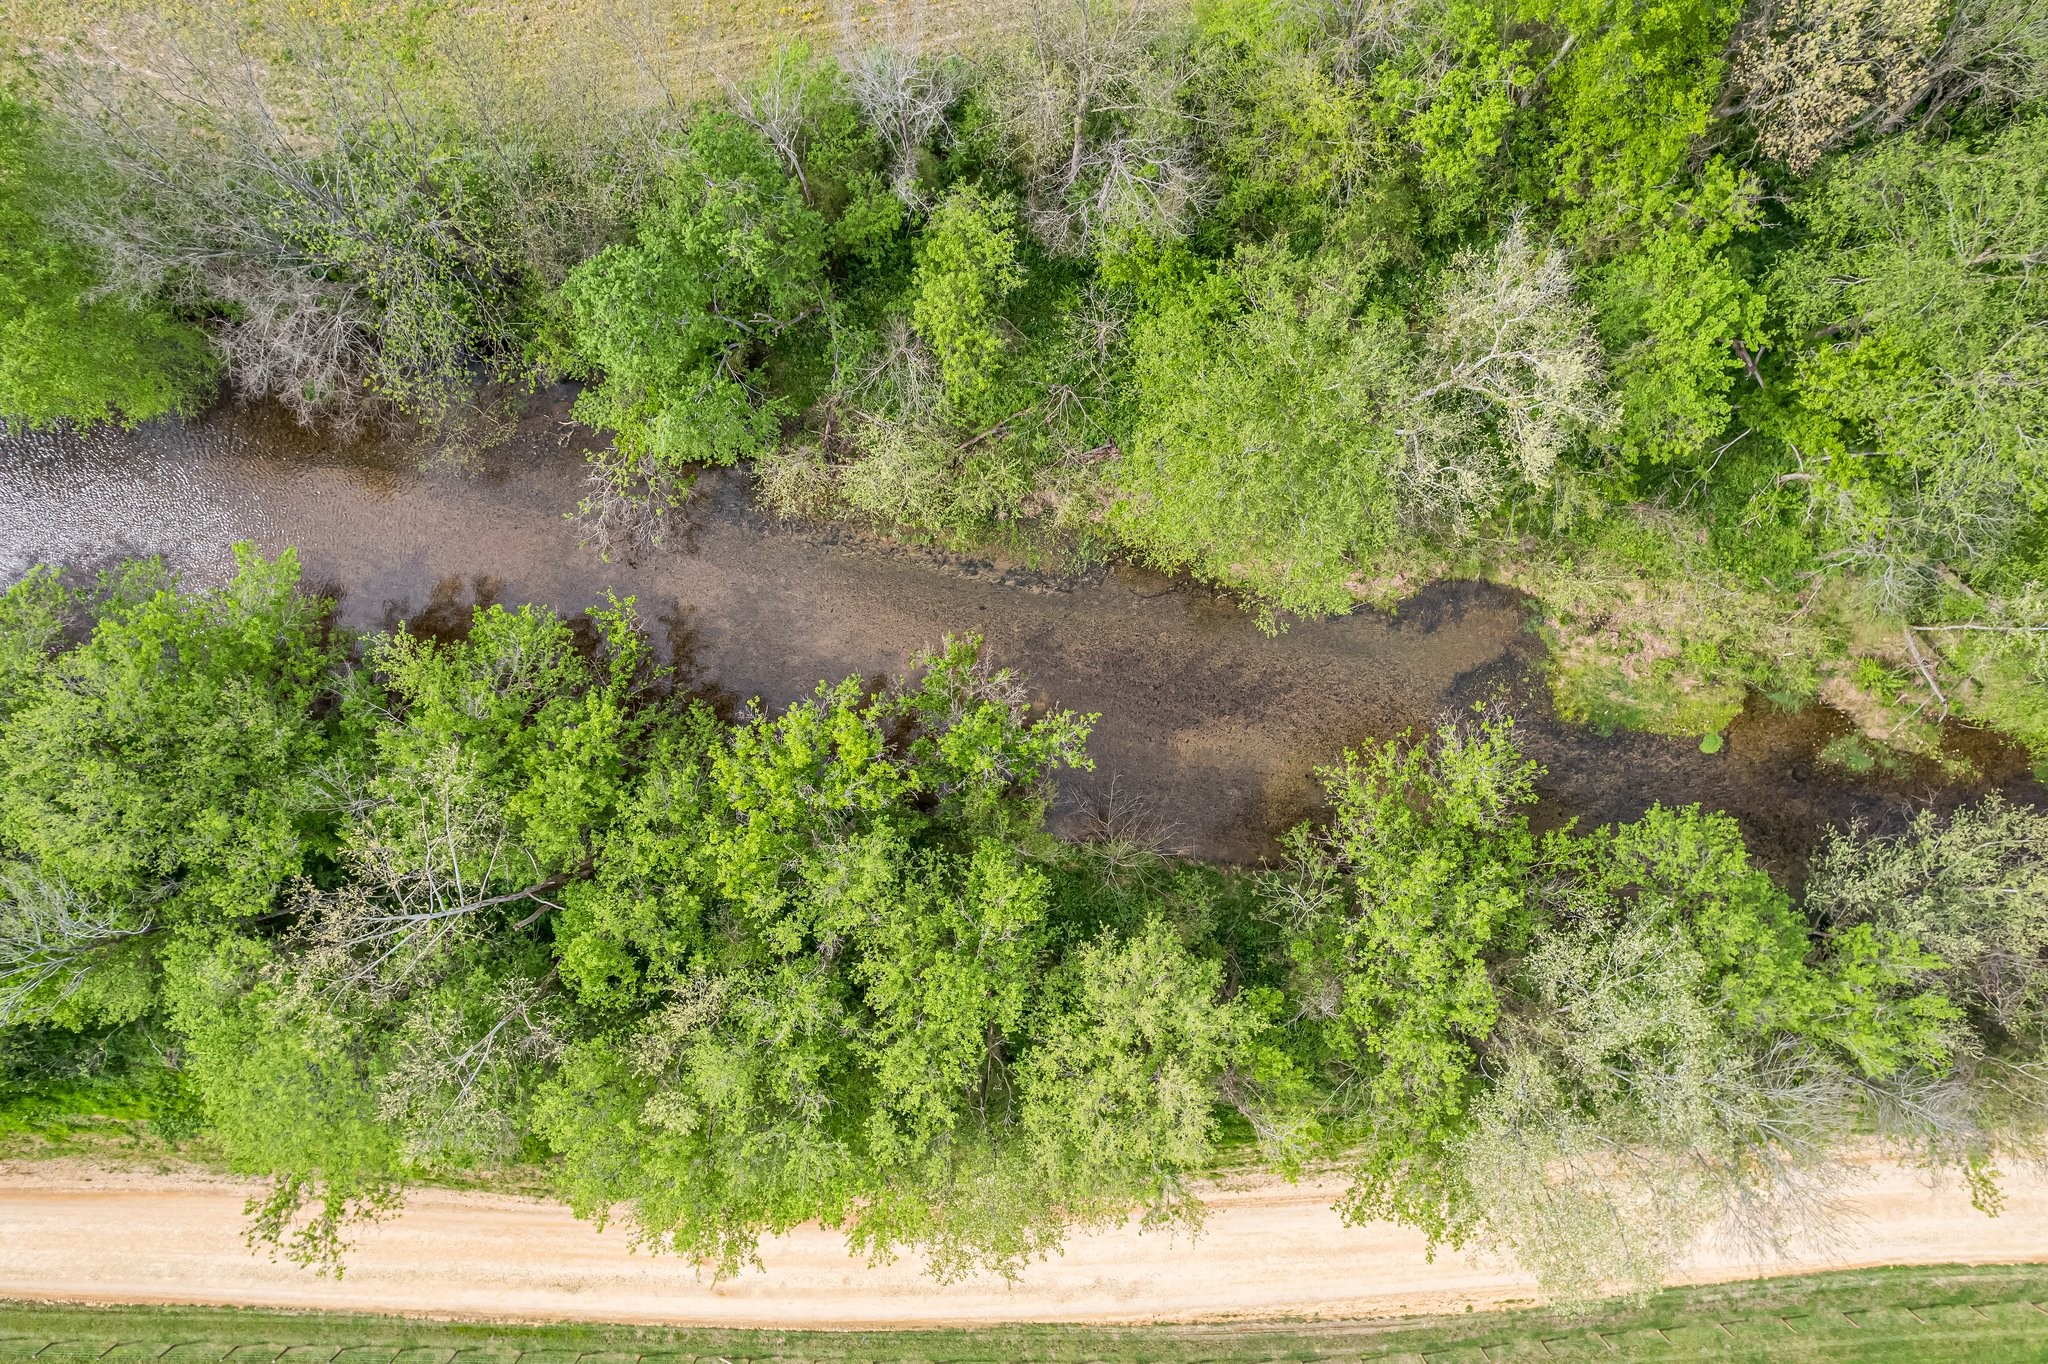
1270	1250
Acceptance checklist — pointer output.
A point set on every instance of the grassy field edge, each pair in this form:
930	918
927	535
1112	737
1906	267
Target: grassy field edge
1985	1314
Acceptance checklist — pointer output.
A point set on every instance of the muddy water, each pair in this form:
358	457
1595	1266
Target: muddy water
1212	726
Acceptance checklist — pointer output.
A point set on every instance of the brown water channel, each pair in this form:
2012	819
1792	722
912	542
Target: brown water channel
1214	726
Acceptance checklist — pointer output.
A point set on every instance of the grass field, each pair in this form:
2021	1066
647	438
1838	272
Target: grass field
639	48
1982	1315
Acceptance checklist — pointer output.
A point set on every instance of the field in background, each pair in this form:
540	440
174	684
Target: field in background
1983	1315
638	47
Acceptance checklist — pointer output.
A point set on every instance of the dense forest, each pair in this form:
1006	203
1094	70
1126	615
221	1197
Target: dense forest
1714	327
353	914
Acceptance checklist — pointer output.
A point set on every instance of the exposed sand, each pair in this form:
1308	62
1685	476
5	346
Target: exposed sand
1270	1250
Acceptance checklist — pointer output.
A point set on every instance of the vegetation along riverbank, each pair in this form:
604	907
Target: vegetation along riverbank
1716	328
509	905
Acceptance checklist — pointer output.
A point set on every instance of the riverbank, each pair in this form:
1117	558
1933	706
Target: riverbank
1210	730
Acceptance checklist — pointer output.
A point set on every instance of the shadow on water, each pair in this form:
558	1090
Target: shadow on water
1212	727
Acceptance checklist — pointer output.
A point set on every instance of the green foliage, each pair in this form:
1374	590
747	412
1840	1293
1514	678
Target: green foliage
677	322
966	266
1452	92
1922	382
1678	316
1406	903
1118	1094
1973	888
1689	869
1308	301
1312	301
1629	89
1581	1049
420	908
68	353
1258	458
1682	1055
836	941
286	1091
162	764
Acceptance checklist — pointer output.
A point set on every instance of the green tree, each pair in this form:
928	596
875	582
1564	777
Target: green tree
1682	322
1920	365
1681	1054
1119	1093
675	325
1630	86
1401	911
966	266
1973	889
1262	454
836	940
165	763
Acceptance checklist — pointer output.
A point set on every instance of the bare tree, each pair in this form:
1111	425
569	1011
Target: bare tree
51	938
1360	33
1510	373
1811	74
1090	106
425	867
1512	335
625	504
905	98
457	1074
359	232
779	104
1125	832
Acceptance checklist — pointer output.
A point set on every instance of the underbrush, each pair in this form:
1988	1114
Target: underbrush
97	1094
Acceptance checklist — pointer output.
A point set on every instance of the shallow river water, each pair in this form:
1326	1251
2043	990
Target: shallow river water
1213	726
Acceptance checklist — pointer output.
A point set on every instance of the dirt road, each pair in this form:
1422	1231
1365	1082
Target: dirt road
1270	1250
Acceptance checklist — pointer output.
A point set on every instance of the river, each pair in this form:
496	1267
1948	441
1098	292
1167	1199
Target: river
1210	730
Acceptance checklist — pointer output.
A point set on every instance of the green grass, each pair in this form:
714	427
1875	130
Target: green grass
1982	1315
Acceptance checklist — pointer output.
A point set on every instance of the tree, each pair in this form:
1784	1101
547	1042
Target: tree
1450	81
1088	106
305	186
803	107
1261	449
1587	1049
1288	426
1808	75
1119	1093
836	940
1513	343
1920	374
1973	889
905	98
1400	910
966	266
674	325
166	760
1683	1057
1682	322
287	1091
1629	89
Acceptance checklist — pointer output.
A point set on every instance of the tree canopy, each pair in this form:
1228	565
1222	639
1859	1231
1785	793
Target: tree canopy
405	908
